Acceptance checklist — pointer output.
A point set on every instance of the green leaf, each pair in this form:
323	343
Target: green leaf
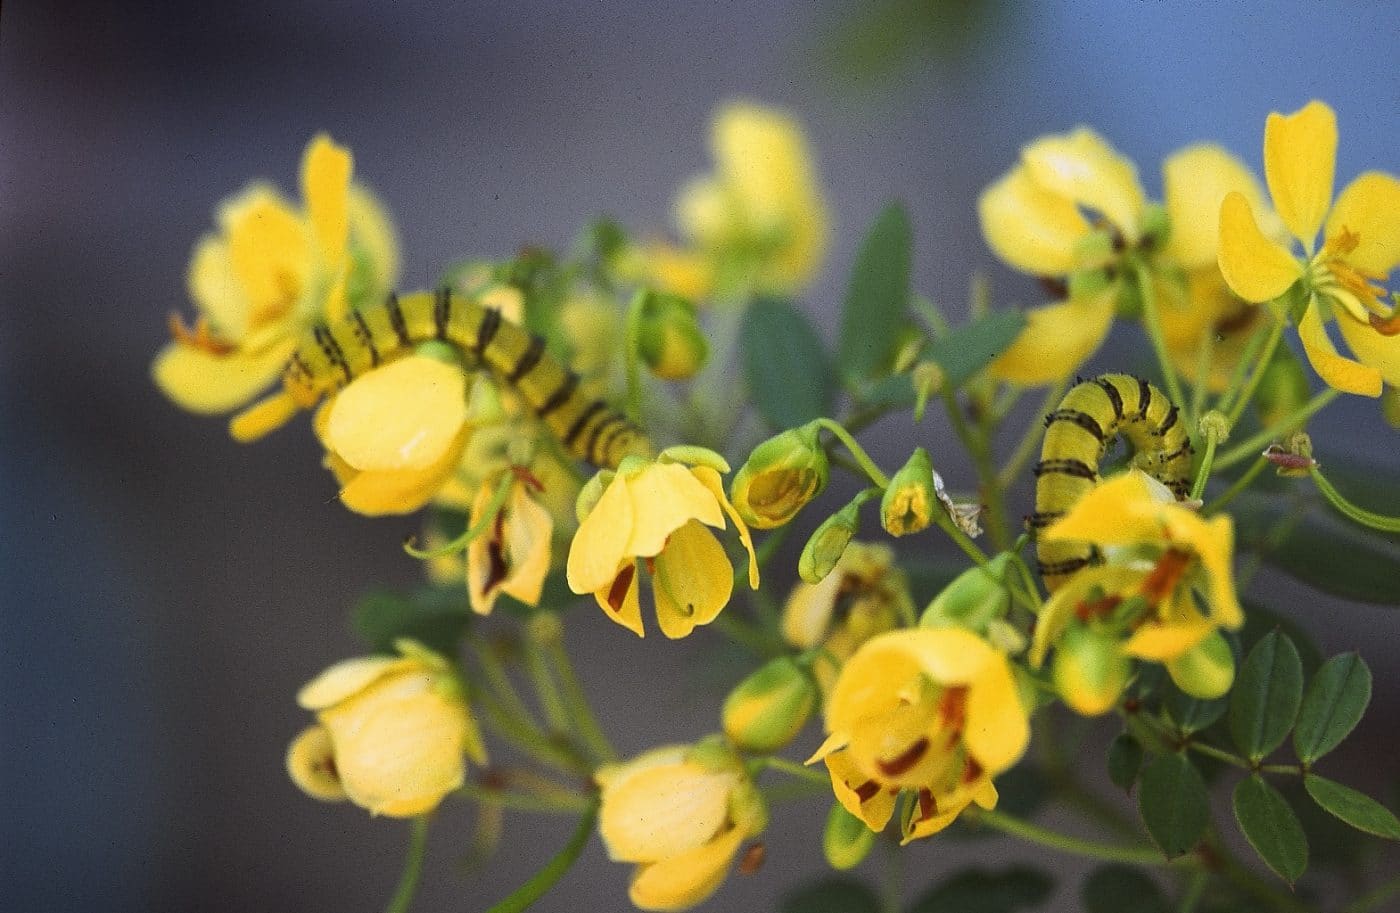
1173	803
1124	761
436	617
877	297
1015	888
1264	702
1192	714
1326	552
1355	808
831	895
1260	620
969	349
1336	699
1271	828
787	368
1114	888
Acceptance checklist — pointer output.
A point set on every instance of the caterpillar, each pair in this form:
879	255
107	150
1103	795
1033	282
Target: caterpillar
330	356
1077	435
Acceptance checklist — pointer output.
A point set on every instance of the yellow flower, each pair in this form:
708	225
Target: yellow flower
270	273
512	556
395	435
657	511
935	712
392	733
759	219
680	817
1157	551
1360	247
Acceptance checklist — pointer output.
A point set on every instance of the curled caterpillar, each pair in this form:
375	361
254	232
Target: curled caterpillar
330	356
1078	433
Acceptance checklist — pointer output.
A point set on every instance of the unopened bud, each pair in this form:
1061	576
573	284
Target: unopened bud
846	841
1090	671
1215	424
928	380
780	477
1293	457
826	546
1205	671
974	598
1283	389
908	504
768	709
669	338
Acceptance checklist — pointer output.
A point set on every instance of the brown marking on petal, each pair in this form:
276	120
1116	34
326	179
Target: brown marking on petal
617	593
1386	326
527	478
1090	609
972	771
1055	288
753	858
199	336
1240	320
651	562
905	760
952	708
1167	573
928	805
867	791
497	567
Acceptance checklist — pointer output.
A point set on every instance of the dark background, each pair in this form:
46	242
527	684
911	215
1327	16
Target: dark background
165	591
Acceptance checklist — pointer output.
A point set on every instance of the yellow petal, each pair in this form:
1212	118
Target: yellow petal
1300	157
873	681
712	482
683	881
1373	349
1059	609
345	679
1257	268
1122	510
1369	208
628	612
1031	228
400	491
808	610
215	288
520	542
325	185
664	496
372	237
1195	180
1213	541
210	384
612	776
600	544
311	765
270	251
1085	169
692	582
1161	642
664	811
997	729
1057	339
1338	372
875	810
403	416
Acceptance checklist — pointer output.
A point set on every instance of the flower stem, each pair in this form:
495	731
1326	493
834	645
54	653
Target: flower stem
793	769
1194	890
1152	322
412	867
1261	366
523	802
1291	422
631	355
482	524
1236	487
1360	514
556	714
1064	843
862	458
547	877
1198	488
580	711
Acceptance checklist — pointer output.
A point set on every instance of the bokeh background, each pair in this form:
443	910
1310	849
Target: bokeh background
165	591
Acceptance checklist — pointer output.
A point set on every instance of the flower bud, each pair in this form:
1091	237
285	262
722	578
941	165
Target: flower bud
1205	671
928	380
846	841
669	338
1214	423
768	709
1090	671
780	477
826	546
974	598
1283	389
907	506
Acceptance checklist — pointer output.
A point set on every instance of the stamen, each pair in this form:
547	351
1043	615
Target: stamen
1165	574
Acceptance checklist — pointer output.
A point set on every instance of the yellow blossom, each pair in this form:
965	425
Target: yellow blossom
656	512
1360	248
392	733
512	556
680	817
934	712
271	271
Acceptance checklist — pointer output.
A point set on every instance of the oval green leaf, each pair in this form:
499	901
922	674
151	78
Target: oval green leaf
1265	699
877	297
1173	803
785	364
1355	808
1336	699
1124	761
1192	714
1271	828
1114	888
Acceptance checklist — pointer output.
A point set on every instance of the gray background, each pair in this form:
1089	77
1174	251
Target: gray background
166	591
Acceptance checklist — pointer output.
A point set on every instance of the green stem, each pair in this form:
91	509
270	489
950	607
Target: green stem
1194	890
975	441
482	524
1201	384
1025	449
1064	843
631	356
1219	754
862	458
1198	488
556	714
524	802
580	711
548	876
412	866
1261	366
1361	515
1294	420
1373	899
1236	487
1249	356
793	769
1152	321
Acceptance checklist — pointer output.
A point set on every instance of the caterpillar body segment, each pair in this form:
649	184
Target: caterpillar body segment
330	356
1078	433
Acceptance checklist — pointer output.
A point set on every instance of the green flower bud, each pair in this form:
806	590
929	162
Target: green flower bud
747	809
846	841
908	504
669	338
780	477
973	599
826	546
1283	389
1090	670
1205	671
768	709
1215	423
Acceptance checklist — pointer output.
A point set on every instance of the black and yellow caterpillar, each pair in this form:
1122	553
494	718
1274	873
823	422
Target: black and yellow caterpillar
1077	435
330	356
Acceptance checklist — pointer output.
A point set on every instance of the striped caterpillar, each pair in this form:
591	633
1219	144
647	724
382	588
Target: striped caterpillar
1076	436
330	356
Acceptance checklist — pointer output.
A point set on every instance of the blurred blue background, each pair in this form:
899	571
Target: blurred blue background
165	591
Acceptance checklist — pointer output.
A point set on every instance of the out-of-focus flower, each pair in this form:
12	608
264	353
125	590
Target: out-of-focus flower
512	556
272	270
680	814
392	733
768	709
1360	247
